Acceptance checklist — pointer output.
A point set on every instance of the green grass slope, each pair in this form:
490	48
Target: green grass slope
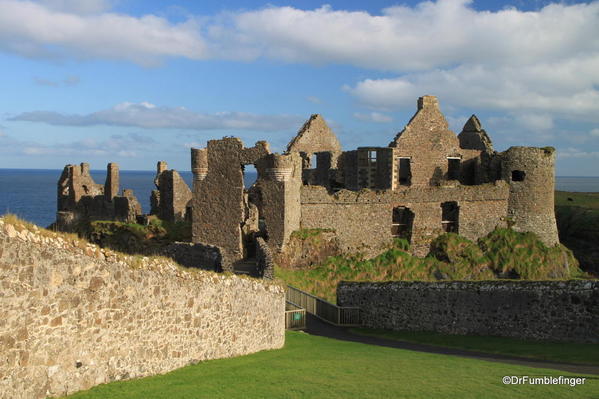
135	238
316	367
577	216
503	253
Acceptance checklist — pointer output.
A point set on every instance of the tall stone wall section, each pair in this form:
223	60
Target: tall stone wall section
75	315
171	199
545	310
219	204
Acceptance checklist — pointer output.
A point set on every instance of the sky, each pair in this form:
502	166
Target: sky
134	82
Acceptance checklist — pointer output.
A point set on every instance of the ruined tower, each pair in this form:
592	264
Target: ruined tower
111	187
220	207
531	177
172	196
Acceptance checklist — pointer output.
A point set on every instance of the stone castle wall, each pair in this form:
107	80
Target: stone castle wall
206	257
264	259
546	310
75	315
362	219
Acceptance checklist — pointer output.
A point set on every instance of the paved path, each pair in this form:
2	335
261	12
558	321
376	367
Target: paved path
318	327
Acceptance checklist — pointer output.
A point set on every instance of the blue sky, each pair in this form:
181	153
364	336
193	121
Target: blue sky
134	82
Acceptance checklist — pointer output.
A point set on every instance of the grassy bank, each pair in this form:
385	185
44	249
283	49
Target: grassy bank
503	253
553	351
316	367
577	216
135	238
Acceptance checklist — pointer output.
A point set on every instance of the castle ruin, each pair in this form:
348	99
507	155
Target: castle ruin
80	199
427	181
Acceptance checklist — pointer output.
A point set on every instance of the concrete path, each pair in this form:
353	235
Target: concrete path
317	327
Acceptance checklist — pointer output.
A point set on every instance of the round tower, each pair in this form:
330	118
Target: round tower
530	172
199	163
282	168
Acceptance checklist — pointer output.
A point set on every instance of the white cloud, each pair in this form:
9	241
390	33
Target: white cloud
576	153
373	117
428	35
68	81
314	99
535	121
594	132
194	144
38	30
150	116
567	88
402	38
543	62
116	145
78	6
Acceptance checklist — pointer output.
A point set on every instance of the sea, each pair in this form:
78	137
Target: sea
31	193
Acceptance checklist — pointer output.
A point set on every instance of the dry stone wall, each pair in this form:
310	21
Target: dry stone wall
75	315
545	310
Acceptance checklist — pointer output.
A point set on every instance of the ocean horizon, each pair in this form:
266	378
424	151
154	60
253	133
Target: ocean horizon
31	193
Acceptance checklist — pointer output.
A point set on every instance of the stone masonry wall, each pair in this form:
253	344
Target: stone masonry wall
265	260
427	141
546	310
362	219
75	315
218	199
206	257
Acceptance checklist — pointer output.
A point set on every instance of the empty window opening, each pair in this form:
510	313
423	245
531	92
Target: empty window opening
262	232
305	160
371	156
453	168
250	174
518	175
405	172
450	213
314	161
402	221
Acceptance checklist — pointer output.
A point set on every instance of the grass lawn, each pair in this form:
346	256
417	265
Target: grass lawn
317	367
583	200
554	351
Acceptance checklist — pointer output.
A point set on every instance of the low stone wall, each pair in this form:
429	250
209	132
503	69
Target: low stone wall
207	257
264	258
75	315
545	310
